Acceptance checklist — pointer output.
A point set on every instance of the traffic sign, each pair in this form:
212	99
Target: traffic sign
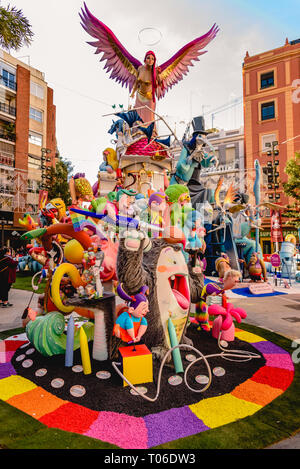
275	260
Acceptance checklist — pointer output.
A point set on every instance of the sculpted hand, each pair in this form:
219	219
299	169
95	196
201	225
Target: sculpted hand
133	240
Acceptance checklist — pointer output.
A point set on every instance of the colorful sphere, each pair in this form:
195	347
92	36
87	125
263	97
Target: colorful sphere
73	252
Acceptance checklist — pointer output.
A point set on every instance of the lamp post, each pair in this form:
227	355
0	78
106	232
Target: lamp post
44	160
273	175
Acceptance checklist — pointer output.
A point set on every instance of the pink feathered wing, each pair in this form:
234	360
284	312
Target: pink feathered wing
177	66
122	65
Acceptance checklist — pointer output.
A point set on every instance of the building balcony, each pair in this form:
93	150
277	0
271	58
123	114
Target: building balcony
223	168
7	159
7	189
11	110
7	136
12	85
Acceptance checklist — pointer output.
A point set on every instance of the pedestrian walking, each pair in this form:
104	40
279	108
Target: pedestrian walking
8	268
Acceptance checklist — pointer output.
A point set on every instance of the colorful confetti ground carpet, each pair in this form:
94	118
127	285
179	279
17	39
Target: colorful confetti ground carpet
99	407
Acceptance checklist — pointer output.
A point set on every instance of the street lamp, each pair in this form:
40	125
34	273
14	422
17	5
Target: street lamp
44	160
274	174
45	151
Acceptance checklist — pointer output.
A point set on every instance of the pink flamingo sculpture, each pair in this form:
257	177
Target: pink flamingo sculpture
224	320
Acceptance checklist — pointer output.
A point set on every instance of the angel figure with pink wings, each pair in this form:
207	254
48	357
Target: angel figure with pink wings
147	81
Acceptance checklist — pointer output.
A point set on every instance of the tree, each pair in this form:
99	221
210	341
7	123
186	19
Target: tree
292	189
15	29
59	182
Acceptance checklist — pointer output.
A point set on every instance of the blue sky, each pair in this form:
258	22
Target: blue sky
279	17
83	92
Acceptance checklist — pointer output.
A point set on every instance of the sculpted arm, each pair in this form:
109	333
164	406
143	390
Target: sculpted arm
196	284
264	270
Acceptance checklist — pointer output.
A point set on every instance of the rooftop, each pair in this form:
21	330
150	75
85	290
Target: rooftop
288	48
142	147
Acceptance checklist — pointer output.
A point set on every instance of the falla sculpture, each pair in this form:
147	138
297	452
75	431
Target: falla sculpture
147	81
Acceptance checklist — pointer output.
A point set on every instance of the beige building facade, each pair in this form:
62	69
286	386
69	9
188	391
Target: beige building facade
27	139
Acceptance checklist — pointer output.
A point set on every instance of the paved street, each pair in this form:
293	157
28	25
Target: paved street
10	318
280	314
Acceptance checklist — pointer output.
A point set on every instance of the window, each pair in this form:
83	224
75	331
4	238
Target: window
30	185
35	138
34	162
230	154
267	80
36	114
9	79
216	152
267	111
7	148
7	159
36	90
267	139
267	248
6	181
265	174
33	209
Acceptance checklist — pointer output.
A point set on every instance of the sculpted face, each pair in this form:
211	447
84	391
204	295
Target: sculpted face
230	282
158	206
184	199
149	60
200	142
253	258
141	310
125	203
173	292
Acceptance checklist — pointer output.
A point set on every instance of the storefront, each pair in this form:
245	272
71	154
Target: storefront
265	239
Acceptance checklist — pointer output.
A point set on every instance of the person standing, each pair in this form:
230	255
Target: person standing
8	268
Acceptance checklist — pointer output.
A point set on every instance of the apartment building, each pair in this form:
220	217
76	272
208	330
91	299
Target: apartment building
27	139
271	93
229	149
